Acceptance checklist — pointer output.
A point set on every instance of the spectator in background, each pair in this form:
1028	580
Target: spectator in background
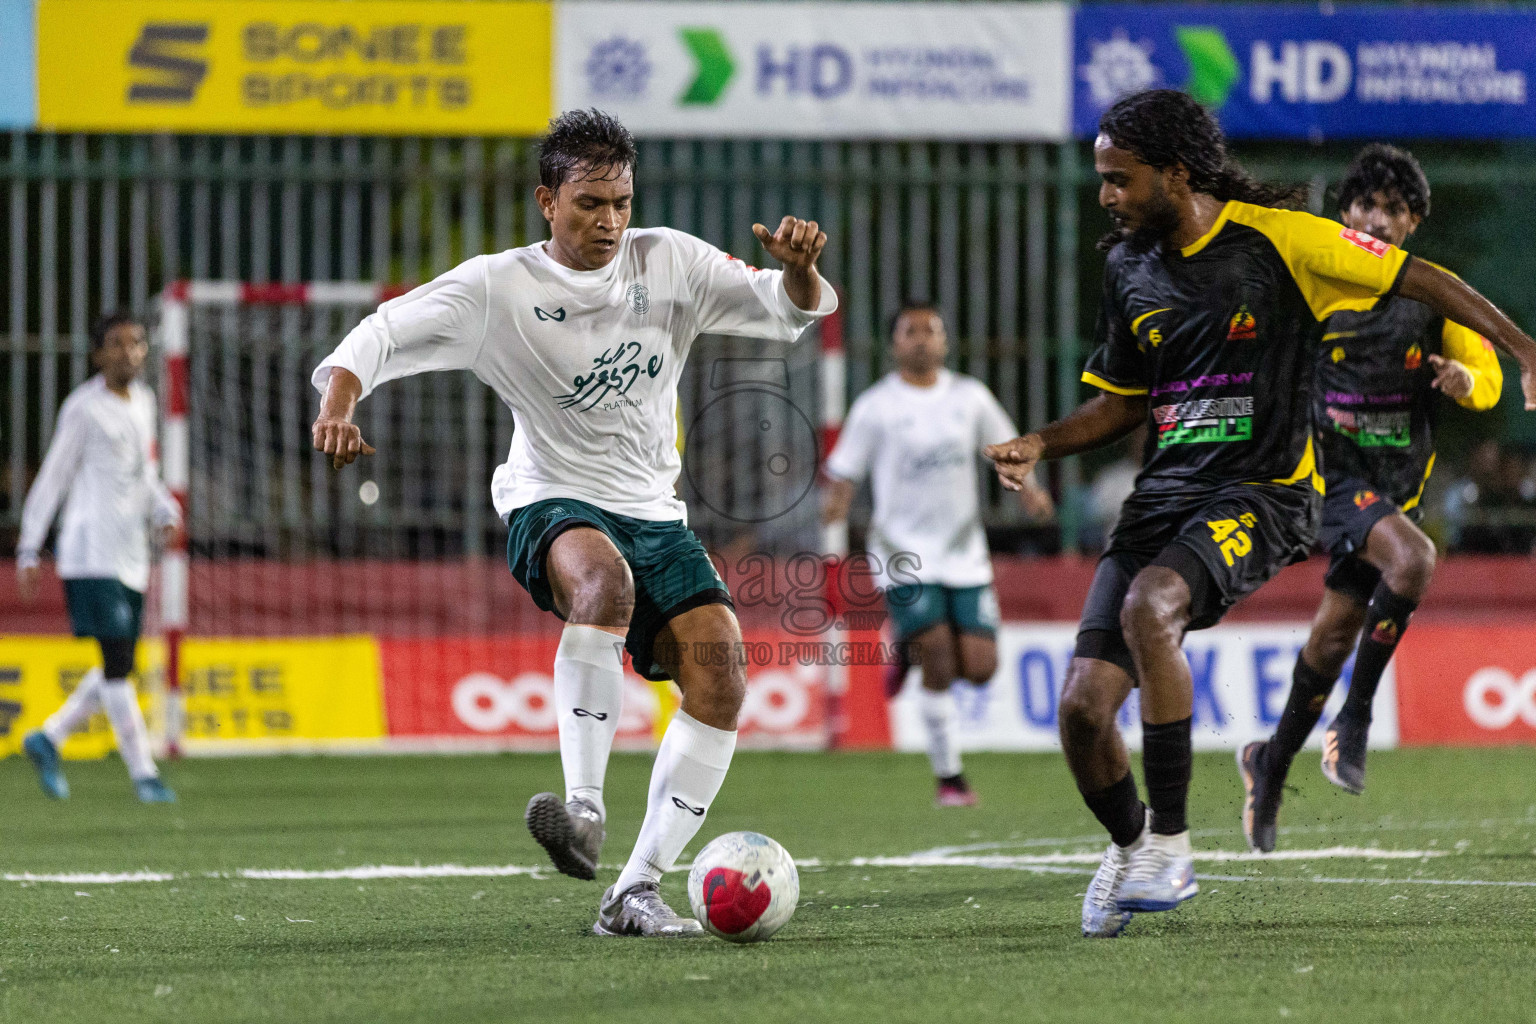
1491	510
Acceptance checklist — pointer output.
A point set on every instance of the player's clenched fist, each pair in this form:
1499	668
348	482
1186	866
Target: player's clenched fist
1015	460
341	440
796	243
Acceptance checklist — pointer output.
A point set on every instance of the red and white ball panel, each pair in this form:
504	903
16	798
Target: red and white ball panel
743	887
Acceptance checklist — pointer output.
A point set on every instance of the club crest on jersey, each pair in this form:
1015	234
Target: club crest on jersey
1365	499
1375	246
1414	359
1243	326
639	298
557	316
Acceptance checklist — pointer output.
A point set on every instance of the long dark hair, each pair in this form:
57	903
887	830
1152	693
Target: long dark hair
1164	127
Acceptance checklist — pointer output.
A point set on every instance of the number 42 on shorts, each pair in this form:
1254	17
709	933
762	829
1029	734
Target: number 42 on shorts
1234	542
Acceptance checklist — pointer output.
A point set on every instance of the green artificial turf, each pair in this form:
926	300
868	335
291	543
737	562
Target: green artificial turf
1268	941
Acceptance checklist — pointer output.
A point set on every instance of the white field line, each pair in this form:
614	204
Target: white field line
1078	863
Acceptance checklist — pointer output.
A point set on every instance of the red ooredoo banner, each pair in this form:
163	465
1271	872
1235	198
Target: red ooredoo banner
1467	685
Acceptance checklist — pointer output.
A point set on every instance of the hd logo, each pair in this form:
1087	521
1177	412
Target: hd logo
171	56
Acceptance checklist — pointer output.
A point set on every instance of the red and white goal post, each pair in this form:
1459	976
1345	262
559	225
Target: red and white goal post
176	304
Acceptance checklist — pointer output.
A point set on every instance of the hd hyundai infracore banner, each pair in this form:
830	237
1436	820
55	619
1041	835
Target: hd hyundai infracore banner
1309	72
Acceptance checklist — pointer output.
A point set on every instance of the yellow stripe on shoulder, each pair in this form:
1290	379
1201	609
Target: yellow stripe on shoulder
1114	389
1335	267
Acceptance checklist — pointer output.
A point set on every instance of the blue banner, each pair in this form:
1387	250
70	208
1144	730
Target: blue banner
1302	72
18	63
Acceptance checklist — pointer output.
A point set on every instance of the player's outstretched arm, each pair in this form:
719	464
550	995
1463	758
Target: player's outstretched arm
837	501
1099	421
57	472
797	244
334	432
1458	301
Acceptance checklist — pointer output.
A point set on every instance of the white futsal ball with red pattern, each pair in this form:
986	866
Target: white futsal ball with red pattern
743	887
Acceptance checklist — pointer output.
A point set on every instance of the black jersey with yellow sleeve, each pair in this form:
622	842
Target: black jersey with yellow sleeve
1220	337
1373	404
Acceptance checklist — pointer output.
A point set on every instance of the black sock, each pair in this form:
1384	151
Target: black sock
1385	620
1165	760
1309	692
1119	810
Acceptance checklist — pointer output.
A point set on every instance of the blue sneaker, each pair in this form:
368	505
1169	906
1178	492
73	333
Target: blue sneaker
45	758
153	791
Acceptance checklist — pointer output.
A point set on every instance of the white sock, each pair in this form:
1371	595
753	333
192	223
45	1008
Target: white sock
122	704
589	694
76	711
941	717
690	766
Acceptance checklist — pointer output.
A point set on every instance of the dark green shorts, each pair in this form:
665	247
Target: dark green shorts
672	571
922	606
103	608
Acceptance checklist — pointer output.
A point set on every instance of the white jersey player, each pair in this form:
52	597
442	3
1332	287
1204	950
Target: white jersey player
101	465
584	337
917	435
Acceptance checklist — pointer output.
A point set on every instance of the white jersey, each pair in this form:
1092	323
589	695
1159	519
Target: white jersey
588	361
102	465
921	449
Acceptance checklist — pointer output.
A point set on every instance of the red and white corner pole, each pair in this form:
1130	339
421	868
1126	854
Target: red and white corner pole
834	536
175	331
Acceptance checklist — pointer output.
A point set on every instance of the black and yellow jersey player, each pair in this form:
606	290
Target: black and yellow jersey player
1215	302
1380	376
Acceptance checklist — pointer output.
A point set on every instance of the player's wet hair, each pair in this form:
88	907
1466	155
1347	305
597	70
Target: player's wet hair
910	305
1164	127
1383	168
106	322
585	140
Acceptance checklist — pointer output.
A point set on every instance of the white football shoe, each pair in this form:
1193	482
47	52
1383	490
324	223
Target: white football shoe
1160	875
1102	916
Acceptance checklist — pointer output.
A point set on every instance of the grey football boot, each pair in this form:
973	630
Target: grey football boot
640	910
571	833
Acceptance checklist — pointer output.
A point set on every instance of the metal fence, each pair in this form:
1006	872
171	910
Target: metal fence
989	231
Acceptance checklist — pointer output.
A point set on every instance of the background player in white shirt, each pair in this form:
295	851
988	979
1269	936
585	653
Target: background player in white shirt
584	337
917	434
102	466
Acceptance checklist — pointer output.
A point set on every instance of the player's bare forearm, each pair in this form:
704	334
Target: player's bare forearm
797	244
803	285
1101	420
839	499
334	433
1458	301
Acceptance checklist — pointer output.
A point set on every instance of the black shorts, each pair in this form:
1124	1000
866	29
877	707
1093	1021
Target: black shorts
1351	510
1225	544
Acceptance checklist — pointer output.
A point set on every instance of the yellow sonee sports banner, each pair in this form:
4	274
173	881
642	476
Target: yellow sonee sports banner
38	673
390	67
239	694
266	694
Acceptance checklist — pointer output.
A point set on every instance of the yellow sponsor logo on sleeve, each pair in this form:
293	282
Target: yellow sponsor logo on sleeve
445	67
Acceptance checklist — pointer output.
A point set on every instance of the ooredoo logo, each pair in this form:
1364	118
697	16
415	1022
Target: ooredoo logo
488	703
1494	699
1375	246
